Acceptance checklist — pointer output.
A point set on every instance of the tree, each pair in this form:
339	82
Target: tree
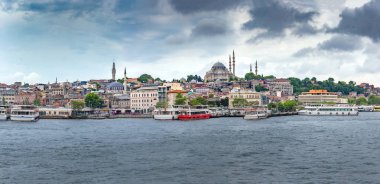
97	86
77	105
260	88
120	81
198	101
180	99
92	100
290	105
272	106
249	76
162	105
37	102
144	78
373	100
361	101
224	102
240	102
280	107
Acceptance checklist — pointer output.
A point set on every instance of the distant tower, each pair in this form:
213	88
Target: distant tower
233	61
250	68
256	69
230	64
125	80
56	80
113	71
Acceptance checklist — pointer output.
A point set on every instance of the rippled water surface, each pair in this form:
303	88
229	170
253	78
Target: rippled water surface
292	149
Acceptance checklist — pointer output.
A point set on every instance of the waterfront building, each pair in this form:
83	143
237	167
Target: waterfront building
314	97
280	85
218	72
61	112
25	98
121	101
8	96
144	99
252	97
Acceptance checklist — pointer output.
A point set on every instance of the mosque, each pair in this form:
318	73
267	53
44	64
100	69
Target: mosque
219	72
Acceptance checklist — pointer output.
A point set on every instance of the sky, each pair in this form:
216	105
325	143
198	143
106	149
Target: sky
41	40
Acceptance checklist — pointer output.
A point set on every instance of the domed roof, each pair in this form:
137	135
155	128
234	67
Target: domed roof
115	85
218	65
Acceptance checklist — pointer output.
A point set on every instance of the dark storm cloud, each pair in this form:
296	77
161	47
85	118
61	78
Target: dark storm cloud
194	6
338	43
210	28
341	43
275	16
363	21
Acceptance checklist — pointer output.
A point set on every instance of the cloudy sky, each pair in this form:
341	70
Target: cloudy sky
78	39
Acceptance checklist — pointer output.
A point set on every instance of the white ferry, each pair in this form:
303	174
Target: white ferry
24	113
329	111
166	114
194	113
254	114
363	108
4	112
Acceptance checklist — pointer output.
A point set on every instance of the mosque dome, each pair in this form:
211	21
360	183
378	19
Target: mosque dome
218	66
115	86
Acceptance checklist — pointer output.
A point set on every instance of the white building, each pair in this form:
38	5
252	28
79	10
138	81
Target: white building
144	99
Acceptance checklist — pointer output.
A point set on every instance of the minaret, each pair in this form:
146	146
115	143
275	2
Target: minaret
230	64
56	80
113	71
233	61
256	68
125	80
250	68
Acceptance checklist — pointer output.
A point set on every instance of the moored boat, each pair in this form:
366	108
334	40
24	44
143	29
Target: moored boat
166	114
329	111
4	112
256	113
194	113
24	113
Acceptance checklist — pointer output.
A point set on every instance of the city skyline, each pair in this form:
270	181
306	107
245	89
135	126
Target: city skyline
70	40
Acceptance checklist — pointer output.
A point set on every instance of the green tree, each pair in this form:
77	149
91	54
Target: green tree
280	107
180	99
260	88
272	106
240	102
224	102
162	105
198	101
37	102
361	101
290	105
92	100
373	100
97	86
249	76
77	105
120	81
144	78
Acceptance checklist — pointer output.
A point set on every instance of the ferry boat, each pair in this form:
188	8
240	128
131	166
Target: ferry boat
24	113
256	113
363	108
166	114
4	112
329	111
194	113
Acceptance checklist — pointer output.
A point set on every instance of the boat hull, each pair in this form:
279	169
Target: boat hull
194	117
255	117
165	117
25	118
3	117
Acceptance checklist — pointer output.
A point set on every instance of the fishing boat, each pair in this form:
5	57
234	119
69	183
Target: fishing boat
4	112
194	113
24	113
335	110
166	114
